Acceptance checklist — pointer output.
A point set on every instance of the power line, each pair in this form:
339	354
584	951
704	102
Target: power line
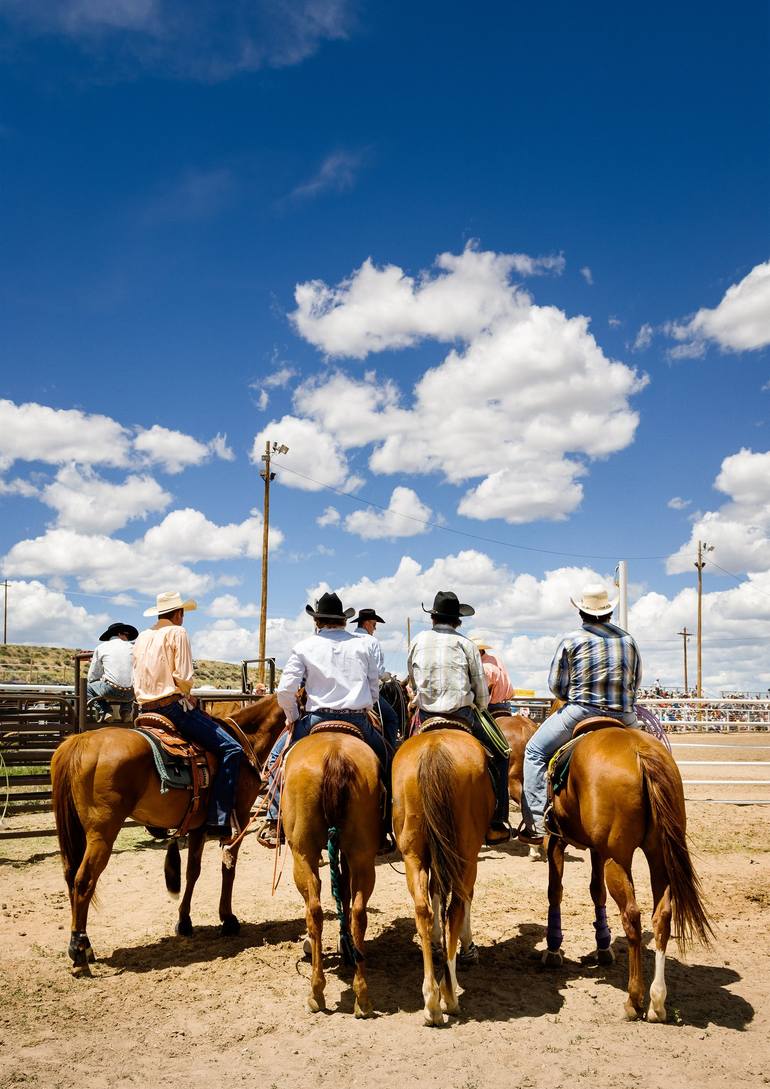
738	578
462	532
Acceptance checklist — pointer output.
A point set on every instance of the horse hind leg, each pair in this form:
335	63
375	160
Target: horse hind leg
417	881
195	842
603	953
621	887
469	953
309	884
553	956
95	858
661	923
362	879
455	920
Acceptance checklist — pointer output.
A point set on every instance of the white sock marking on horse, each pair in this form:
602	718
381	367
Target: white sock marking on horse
657	1011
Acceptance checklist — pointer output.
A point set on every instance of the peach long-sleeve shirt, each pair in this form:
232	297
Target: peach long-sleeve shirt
162	662
498	681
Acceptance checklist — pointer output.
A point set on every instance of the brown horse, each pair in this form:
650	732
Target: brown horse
624	791
442	805
517	730
331	799
103	777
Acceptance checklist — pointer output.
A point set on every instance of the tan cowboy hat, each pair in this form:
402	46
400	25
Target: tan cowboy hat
595	601
482	644
168	601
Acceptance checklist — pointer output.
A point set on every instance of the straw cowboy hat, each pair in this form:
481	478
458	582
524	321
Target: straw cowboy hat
595	601
367	614
168	602
482	644
329	607
446	606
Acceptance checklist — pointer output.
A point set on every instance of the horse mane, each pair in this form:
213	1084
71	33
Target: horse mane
435	778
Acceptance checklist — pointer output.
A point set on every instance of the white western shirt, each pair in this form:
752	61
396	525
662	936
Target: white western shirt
112	662
445	671
362	633
337	670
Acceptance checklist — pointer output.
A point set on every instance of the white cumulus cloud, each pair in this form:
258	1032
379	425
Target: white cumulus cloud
677	503
84	501
739	323
330	517
405	517
34	432
314	454
175	451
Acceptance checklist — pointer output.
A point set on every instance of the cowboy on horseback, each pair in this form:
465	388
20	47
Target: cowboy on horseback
163	679
340	674
596	671
447	677
366	622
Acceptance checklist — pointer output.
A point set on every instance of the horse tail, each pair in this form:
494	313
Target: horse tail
338	773
435	774
65	767
663	786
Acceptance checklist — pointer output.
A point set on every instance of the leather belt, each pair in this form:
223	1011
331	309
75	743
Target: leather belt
155	705
337	711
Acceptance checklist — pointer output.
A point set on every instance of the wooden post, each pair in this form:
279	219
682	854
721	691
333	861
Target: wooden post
700	563
685	636
267	476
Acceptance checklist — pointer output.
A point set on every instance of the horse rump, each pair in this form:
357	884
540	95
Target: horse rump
339	771
663	787
65	766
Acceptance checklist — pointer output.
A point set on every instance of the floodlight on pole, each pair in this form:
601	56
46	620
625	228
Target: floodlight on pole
267	475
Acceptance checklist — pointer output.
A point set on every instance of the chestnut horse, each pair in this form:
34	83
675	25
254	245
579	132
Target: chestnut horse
443	801
103	777
624	791
330	798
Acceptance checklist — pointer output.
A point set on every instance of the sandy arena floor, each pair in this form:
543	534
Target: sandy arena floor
173	1012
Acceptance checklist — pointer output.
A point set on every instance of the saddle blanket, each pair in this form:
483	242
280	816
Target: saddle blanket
173	758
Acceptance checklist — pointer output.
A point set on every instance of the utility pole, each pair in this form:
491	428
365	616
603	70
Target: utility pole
5	614
408	632
621	581
267	475
685	636
700	563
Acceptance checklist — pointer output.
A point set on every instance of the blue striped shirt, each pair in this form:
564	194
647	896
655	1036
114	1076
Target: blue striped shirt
598	665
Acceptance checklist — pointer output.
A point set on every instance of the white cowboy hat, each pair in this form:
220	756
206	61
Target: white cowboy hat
482	644
595	601
167	602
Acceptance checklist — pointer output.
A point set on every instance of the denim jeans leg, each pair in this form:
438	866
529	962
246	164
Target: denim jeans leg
197	726
97	691
389	722
555	732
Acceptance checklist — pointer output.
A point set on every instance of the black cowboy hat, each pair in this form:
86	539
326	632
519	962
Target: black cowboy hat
329	607
367	614
119	629
447	607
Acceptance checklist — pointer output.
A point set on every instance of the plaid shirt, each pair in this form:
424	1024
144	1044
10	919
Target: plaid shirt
597	665
445	671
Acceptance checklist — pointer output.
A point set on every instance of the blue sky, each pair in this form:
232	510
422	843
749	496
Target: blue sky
232	225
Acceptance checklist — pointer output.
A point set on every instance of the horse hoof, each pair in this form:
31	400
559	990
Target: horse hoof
230	926
656	1016
466	958
451	1009
605	956
632	1013
363	1009
184	927
434	1018
316	1005
81	971
553	958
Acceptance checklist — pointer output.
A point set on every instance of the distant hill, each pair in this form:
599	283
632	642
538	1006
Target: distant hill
53	665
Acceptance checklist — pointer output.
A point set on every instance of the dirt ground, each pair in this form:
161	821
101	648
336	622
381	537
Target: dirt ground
230	1012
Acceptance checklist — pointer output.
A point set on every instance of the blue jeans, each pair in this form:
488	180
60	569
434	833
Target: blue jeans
104	693
302	728
555	732
389	721
195	725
